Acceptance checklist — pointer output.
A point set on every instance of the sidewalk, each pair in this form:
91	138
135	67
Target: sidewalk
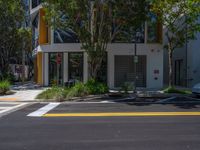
23	92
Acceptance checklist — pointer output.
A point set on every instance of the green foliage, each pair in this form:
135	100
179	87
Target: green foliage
4	87
7	76
177	91
95	87
12	16
55	93
79	90
127	87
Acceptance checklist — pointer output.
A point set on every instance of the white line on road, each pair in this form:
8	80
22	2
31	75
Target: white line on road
12	109
40	112
5	107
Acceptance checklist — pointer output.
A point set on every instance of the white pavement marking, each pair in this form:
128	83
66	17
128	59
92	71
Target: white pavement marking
8	110
100	102
104	101
40	112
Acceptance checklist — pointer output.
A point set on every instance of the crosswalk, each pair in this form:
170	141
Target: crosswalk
8	107
40	112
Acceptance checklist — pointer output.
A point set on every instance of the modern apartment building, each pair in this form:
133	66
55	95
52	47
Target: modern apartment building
58	55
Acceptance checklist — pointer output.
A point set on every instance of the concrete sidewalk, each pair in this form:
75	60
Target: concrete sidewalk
23	92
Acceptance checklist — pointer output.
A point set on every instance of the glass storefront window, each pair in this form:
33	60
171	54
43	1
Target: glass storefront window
55	68
127	35
35	32
76	66
65	36
152	29
35	3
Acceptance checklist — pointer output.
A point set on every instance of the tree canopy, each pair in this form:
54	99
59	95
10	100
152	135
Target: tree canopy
180	22
12	17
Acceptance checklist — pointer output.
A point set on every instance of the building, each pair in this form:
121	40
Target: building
186	64
59	57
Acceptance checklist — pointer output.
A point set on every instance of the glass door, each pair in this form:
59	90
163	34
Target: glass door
55	68
76	66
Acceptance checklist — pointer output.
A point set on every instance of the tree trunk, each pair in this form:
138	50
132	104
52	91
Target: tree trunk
170	65
94	67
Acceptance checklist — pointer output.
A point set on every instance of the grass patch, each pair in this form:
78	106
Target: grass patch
177	91
4	87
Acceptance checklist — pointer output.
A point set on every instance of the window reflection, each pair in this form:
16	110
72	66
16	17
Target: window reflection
76	66
65	36
128	34
55	68
35	32
152	29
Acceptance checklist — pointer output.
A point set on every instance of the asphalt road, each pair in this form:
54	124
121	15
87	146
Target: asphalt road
20	132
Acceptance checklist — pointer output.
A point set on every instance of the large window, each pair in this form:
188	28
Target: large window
154	29
128	34
65	36
76	66
35	3
55	68
35	32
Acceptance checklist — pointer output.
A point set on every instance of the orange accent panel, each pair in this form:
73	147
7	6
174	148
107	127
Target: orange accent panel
39	68
43	28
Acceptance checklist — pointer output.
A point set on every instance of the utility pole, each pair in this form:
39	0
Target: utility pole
135	63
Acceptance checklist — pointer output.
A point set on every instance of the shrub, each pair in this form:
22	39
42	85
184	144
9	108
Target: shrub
55	93
95	87
127	87
77	91
4	87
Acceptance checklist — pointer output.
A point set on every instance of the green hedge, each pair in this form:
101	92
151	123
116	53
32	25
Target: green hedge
4	87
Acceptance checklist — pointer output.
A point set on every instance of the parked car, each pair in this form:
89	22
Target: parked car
196	89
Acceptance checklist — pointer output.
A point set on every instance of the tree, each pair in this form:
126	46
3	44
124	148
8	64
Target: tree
180	19
93	22
11	34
